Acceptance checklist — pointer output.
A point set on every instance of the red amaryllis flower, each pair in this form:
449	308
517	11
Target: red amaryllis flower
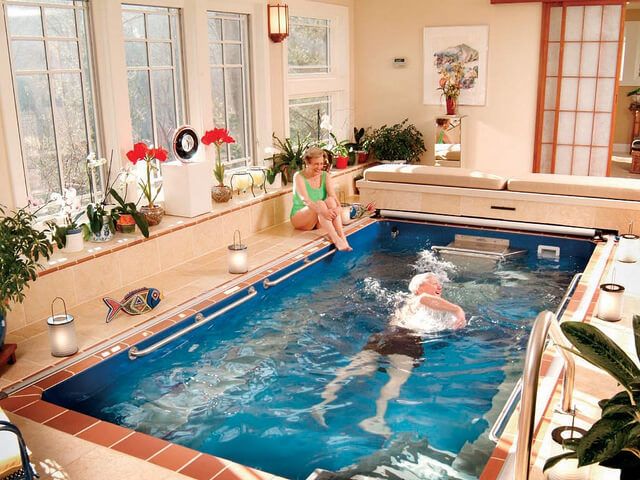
217	136
159	154
139	152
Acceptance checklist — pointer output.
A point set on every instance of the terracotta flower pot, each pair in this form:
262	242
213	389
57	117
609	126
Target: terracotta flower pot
153	214
363	157
342	162
221	193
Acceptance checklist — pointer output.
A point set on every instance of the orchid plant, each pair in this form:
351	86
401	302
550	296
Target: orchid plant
217	137
142	152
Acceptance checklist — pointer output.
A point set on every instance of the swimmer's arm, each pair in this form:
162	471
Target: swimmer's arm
441	304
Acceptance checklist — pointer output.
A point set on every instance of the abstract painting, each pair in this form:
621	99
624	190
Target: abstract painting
447	47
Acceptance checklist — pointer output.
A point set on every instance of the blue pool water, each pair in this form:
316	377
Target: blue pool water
244	387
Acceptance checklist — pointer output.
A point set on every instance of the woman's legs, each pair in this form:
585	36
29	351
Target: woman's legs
306	219
337	222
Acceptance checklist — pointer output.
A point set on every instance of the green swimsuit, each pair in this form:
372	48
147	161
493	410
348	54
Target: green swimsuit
314	194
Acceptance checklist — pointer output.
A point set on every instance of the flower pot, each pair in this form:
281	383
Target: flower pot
105	234
342	162
221	193
126	223
153	214
73	241
363	157
452	105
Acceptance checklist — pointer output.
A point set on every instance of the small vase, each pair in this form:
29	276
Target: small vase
126	223
105	234
73	241
452	105
153	214
221	193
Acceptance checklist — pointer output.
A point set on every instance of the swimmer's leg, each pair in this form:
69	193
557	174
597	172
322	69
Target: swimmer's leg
364	363
399	372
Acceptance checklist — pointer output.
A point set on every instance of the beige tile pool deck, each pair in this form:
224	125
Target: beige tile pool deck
67	444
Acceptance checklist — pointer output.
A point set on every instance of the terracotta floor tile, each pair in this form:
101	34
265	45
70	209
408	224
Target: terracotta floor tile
105	434
83	364
54	379
203	468
158	327
138	337
140	445
12	403
30	390
40	411
175	457
492	469
71	422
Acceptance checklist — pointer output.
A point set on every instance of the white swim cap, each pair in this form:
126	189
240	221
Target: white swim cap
419	279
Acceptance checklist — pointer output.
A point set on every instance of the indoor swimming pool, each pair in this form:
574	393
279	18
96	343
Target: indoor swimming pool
252	385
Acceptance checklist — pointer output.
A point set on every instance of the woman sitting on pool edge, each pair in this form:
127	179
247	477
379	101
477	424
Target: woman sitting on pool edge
315	201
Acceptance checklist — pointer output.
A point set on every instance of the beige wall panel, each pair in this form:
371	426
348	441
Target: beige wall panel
443	204
94	278
138	262
37	303
175	248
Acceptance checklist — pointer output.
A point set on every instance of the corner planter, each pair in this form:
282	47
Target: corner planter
74	241
221	193
153	214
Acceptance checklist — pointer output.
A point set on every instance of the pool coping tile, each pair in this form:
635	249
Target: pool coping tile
174	457
104	433
140	445
40	411
203	467
71	422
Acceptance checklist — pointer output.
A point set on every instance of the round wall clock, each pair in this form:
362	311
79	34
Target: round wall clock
185	143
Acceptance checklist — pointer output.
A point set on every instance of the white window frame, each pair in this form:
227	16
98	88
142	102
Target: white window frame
336	83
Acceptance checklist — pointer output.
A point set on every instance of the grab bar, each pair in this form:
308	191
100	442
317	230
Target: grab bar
135	353
306	263
569	374
478	253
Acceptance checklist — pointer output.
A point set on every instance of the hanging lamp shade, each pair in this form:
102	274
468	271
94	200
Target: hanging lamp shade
278	19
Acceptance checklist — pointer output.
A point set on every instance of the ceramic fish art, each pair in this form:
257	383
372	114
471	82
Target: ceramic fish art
135	302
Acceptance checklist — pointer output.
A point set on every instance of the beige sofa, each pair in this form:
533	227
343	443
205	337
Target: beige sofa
592	202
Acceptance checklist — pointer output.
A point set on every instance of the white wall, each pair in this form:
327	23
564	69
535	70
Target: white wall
498	136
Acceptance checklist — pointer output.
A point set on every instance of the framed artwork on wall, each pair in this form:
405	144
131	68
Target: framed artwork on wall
449	48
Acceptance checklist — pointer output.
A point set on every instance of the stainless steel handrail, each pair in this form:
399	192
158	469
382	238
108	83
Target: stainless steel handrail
477	253
307	263
533	360
576	278
135	353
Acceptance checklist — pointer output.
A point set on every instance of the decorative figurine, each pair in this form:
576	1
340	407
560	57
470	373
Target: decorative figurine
136	302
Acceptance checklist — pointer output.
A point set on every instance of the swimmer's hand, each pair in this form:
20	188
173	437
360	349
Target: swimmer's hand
461	321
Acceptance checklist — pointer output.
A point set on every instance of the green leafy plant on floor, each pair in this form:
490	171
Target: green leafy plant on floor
402	141
614	440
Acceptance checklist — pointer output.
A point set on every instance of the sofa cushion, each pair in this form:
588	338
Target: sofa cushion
579	186
441	176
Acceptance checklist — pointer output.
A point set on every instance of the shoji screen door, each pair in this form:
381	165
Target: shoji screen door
580	62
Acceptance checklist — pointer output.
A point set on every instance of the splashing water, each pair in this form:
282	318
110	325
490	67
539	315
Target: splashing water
429	261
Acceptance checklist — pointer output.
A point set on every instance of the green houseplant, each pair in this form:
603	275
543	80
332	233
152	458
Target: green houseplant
402	141
290	156
614	440
359	148
21	248
126	214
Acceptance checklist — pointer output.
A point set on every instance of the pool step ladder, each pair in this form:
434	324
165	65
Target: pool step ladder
495	249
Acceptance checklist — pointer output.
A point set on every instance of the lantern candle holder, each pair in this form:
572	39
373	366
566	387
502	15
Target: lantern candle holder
610	302
62	332
628	247
238	255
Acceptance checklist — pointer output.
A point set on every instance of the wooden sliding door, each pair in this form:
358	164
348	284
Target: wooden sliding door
580	64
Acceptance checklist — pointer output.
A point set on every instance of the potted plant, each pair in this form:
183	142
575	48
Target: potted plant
69	235
126	216
290	156
340	152
399	142
451	75
21	248
614	440
220	192
151	211
100	227
360	146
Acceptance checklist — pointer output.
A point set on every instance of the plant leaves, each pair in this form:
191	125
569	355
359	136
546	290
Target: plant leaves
636	334
605	439
553	461
141	222
601	351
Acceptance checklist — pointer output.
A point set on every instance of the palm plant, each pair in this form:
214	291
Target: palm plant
614	440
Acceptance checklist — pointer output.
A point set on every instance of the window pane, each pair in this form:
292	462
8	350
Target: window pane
305	115
63	55
55	109
24	21
60	22
217	90
28	55
235	111
308	45
232	55
155	92
230	29
215	54
215	29
140	105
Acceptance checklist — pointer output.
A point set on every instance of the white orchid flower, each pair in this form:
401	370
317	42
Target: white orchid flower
325	123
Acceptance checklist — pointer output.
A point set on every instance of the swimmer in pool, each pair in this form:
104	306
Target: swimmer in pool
402	346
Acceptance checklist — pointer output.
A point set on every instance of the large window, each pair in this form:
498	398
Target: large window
309	45
305	117
154	72
52	82
228	64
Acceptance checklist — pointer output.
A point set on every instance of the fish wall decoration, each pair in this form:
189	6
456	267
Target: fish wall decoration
136	302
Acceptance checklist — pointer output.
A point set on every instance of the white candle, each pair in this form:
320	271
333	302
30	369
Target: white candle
610	302
62	335
241	181
628	247
258	177
238	259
